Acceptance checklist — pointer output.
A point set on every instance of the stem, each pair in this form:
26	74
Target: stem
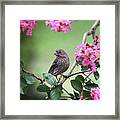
33	75
87	76
78	73
91	31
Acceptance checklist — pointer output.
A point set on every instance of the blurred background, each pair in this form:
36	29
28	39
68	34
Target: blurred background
37	51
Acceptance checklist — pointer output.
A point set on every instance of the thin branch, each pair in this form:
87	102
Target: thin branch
33	75
82	72
90	32
87	76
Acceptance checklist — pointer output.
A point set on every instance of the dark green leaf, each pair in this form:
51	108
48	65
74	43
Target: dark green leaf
43	88
77	96
50	79
88	82
71	95
29	78
21	91
84	68
21	65
80	78
96	75
86	94
97	65
23	84
77	85
55	93
91	85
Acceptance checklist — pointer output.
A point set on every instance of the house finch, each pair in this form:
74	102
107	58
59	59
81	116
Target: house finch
60	64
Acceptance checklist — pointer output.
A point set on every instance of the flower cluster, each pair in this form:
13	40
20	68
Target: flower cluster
27	25
95	93
59	25
89	55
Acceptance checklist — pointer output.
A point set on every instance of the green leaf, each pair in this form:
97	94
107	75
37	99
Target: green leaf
43	88
97	65
21	91
21	64
84	68
88	82
77	96
80	78
50	79
71	95
91	85
96	75
86	94
77	85
55	93
29	78
23	84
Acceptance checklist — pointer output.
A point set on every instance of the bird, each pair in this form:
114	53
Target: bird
60	64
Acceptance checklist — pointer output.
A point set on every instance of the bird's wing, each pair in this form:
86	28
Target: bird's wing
53	67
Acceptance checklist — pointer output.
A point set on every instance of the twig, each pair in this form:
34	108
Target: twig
77	73
68	76
87	76
90	32
33	75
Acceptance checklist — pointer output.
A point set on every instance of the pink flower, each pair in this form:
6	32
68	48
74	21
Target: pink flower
59	25
88	55
28	26
82	97
95	93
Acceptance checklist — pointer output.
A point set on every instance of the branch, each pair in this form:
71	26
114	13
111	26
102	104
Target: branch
68	76
91	31
77	73
33	75
86	34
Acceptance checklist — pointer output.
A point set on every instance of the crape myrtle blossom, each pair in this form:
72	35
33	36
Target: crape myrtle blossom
28	26
89	54
95	93
59	25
